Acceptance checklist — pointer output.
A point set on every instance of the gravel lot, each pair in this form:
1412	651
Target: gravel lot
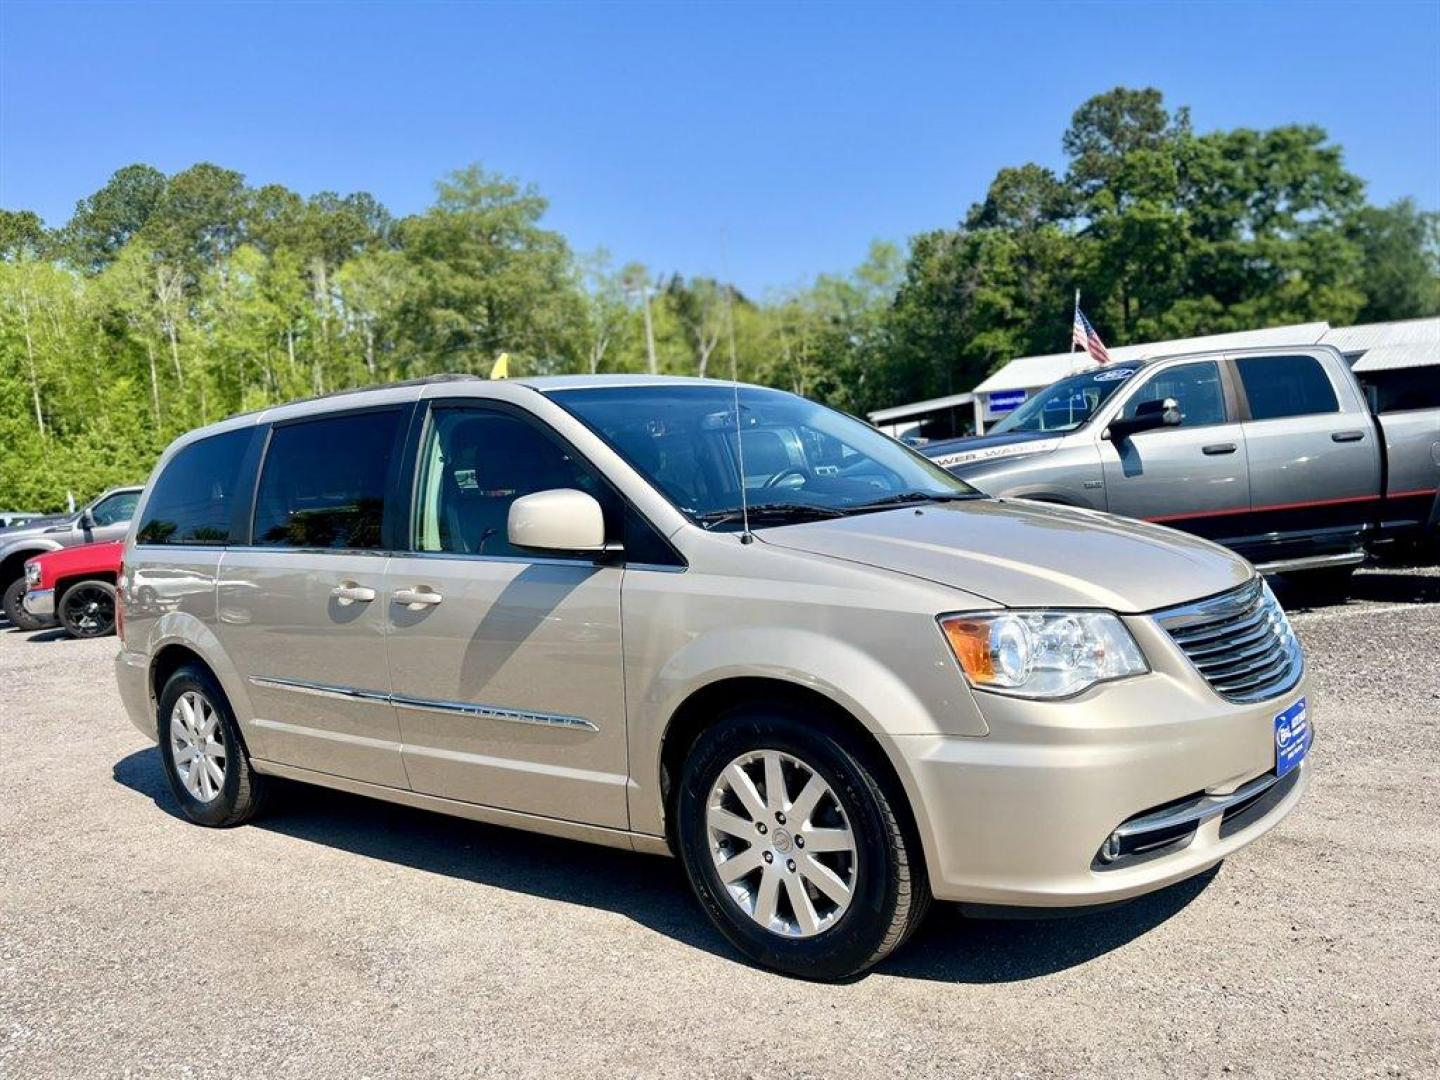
342	937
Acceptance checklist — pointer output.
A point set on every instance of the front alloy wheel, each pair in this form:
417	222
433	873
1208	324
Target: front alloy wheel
795	838
787	861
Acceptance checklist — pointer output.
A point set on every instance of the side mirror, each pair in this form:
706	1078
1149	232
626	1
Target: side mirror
87	520
1149	415
561	519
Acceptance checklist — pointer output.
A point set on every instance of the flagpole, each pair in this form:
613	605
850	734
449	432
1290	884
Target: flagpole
1074	319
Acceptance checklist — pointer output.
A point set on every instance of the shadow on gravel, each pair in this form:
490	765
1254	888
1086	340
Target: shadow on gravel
45	637
1384	585
652	890
952	947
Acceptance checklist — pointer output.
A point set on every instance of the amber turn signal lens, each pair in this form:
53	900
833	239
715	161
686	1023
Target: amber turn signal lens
970	642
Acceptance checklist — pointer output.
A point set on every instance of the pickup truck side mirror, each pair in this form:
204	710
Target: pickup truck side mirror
87	520
1149	415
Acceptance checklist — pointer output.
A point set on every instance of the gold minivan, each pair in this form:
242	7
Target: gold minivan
725	623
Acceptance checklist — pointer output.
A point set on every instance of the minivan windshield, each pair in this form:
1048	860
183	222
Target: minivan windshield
1067	404
801	461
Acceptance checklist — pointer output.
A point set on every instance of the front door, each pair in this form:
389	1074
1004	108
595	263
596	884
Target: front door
1193	476
506	666
301	609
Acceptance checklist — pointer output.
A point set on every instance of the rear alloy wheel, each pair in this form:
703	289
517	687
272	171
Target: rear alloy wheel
203	754
793	845
13	603
87	609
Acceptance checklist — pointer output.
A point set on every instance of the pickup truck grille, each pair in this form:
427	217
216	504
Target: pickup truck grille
1240	641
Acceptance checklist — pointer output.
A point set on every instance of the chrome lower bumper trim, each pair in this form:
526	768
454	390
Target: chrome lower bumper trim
1193	812
40	602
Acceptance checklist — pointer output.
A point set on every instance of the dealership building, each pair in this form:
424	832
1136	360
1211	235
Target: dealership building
1396	361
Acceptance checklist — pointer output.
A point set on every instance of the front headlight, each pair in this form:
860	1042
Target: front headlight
1042	654
32	573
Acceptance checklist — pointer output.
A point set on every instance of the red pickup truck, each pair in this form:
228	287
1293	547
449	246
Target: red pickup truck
76	584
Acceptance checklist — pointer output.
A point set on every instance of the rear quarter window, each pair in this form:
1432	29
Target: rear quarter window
193	499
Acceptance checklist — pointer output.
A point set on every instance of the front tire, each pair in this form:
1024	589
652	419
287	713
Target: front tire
13	602
793	844
87	609
203	754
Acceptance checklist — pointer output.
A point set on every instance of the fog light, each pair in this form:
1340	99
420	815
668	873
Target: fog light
1110	850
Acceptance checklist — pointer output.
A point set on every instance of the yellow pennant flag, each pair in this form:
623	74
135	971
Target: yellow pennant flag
501	370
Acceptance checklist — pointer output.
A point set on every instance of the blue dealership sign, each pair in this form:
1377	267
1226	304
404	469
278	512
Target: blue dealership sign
1006	400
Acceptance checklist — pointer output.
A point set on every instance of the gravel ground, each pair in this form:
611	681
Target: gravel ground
341	937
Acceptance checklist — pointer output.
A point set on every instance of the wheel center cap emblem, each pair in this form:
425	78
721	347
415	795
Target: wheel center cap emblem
782	841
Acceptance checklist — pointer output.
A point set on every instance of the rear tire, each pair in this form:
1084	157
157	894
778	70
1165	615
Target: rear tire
14	606
87	609
827	907
203	753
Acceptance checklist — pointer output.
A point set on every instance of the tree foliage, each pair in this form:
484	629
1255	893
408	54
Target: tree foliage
170	301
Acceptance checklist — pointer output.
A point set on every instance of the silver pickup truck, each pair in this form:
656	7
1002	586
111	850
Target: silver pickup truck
1275	453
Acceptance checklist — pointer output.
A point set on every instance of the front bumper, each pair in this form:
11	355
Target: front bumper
40	603
1020	817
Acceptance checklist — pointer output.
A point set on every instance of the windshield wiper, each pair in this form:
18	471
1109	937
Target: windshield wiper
770	513
906	497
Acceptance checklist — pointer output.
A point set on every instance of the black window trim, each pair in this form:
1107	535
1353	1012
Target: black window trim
392	489
420	431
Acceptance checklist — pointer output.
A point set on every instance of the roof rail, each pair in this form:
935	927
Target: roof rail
423	380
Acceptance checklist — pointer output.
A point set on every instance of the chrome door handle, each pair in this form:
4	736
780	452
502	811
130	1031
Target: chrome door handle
1346	436
1218	448
417	597
348	593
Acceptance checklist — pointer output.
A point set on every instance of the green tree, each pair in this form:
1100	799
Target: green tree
103	223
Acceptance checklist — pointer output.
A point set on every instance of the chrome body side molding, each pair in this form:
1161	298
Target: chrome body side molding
405	701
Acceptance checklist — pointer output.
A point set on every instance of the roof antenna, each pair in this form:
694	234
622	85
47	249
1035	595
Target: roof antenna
746	536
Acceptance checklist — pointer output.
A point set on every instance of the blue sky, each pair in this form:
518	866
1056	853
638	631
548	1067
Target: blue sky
773	141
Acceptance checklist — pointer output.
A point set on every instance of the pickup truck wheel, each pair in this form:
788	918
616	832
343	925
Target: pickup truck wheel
793	846
87	609
13	603
203	754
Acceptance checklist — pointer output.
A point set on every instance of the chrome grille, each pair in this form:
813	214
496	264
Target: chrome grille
1240	641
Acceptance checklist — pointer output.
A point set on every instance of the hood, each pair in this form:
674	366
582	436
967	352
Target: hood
36	527
1025	554
956	453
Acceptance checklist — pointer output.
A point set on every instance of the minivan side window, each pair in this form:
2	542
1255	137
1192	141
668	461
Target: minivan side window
323	482
117	508
1195	387
1280	386
474	464
192	501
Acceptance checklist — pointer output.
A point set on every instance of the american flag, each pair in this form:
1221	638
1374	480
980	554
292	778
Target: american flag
1084	335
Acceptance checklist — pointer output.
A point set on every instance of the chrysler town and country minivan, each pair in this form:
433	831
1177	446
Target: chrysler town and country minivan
677	616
